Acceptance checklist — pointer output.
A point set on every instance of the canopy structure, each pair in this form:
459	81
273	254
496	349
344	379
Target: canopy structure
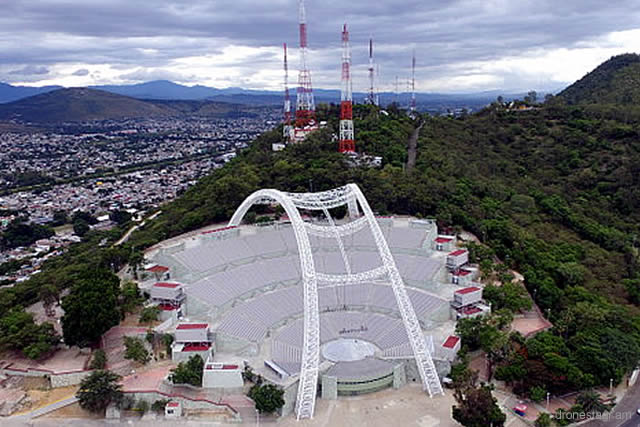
351	196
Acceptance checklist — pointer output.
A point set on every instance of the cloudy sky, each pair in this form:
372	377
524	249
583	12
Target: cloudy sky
461	45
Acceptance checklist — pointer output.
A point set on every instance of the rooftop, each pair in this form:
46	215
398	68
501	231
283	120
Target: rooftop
467	290
451	341
458	252
443	239
167	285
183	326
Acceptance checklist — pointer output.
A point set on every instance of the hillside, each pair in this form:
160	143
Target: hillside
9	93
616	81
78	104
82	104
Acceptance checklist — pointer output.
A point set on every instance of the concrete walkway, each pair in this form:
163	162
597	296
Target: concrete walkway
413	148
44	410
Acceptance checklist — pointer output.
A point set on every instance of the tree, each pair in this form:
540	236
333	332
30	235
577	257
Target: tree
537	394
476	407
91	308
509	295
149	314
99	390
120	217
99	360
130	297
135	350
267	397
80	227
189	372
543	420
49	295
18	331
591	402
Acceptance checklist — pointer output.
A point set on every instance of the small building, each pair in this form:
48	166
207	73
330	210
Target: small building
457	259
168	296
191	339
160	272
450	347
192	333
444	243
222	375
468	296
463	276
173	409
467	303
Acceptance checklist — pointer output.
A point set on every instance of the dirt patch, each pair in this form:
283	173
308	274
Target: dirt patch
40	398
35	383
73	411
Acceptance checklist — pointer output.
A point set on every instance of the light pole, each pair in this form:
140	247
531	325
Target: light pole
548	394
257	418
610	385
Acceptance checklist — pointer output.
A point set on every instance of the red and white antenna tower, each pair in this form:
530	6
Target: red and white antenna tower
372	97
286	129
305	105
412	107
347	144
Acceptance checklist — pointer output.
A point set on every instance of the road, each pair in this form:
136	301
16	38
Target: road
412	150
624	414
134	228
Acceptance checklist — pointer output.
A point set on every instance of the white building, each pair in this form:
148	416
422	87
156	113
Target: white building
457	259
222	375
450	347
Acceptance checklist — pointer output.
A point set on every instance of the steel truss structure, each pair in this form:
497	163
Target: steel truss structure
323	201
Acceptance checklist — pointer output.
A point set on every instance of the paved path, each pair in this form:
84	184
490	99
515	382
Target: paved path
412	150
24	418
134	228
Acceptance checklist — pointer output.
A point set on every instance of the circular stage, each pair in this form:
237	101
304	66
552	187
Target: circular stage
348	350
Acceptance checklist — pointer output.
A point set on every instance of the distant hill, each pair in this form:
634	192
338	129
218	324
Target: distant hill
10	93
161	89
615	81
82	104
79	104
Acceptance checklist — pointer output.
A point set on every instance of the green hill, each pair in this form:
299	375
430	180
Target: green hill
82	104
78	104
616	81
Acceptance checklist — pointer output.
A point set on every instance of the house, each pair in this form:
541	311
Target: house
160	272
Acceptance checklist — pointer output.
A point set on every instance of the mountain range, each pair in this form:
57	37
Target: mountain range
167	90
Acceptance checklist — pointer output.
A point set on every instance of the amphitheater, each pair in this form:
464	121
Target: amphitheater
247	282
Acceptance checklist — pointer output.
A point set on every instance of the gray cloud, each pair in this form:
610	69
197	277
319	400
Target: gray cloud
29	70
81	72
447	35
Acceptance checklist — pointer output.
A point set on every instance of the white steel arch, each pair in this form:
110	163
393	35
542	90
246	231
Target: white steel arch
352	196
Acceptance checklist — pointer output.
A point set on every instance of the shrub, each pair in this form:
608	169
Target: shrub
99	360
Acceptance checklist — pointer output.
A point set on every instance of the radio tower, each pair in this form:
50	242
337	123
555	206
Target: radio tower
305	106
412	107
347	144
286	129
372	97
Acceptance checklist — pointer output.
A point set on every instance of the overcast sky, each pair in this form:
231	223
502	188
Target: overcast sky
461	45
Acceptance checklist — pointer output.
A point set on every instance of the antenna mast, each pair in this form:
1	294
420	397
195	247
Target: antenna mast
305	105
286	129
372	97
413	83
347	144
